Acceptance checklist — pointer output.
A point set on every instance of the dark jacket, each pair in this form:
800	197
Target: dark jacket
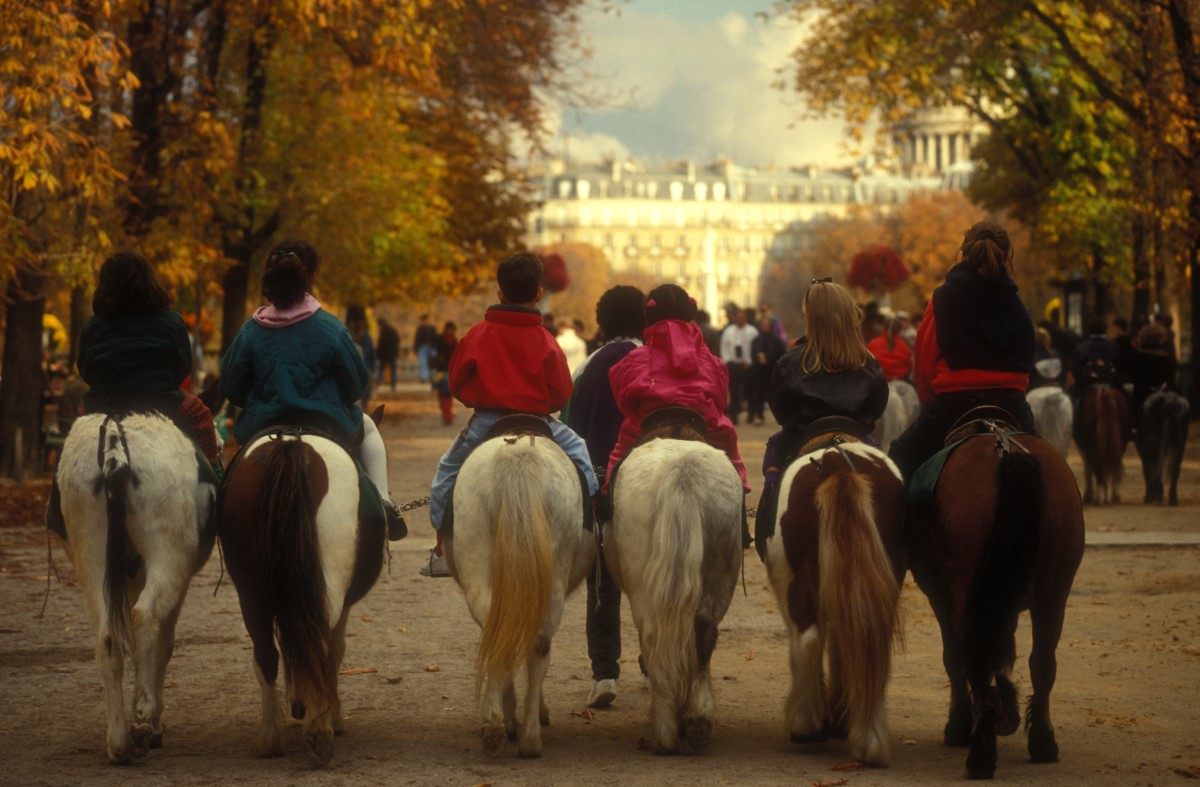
143	356
1094	361
425	336
770	346
798	398
592	412
982	323
309	372
388	347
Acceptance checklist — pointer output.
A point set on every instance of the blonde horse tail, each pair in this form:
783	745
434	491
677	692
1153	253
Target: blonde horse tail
673	589
858	592
522	565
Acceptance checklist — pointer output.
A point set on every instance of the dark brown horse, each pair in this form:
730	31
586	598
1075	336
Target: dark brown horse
1102	432
836	565
1003	533
300	556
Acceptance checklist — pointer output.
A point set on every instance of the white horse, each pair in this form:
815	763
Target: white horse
1052	415
902	409
674	547
517	549
139	524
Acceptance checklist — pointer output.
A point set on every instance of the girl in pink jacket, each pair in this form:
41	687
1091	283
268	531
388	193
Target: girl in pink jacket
673	368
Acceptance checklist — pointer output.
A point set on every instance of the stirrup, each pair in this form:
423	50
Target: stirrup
396	526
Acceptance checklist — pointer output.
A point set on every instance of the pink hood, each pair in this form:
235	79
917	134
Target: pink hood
673	369
270	317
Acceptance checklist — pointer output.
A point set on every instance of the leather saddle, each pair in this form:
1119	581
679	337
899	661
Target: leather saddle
520	424
674	423
985	419
829	431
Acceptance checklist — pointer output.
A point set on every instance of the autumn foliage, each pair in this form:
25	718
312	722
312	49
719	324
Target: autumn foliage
877	269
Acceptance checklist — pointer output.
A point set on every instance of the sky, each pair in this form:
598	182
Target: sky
672	79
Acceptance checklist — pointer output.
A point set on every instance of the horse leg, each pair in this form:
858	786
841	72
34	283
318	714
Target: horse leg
153	634
1047	618
838	721
536	713
165	651
1007	704
698	715
111	660
958	725
494	731
1089	494
981	759
508	701
260	626
336	654
806	712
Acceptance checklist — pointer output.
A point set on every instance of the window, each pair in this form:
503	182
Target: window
718	191
582	189
701	191
676	189
564	188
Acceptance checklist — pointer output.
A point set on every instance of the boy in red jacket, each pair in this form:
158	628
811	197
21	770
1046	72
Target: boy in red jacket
506	364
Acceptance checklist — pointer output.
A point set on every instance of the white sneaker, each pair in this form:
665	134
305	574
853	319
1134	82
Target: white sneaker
603	693
436	566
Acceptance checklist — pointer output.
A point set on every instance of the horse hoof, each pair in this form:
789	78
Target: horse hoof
297	710
494	737
981	773
1008	708
141	734
530	751
698	734
1042	746
119	756
318	748
664	751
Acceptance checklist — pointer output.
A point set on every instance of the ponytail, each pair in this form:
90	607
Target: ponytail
285	279
987	250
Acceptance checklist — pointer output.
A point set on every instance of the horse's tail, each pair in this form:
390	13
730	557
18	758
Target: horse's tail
673	586
1109	440
1005	567
522	564
117	475
857	591
288	555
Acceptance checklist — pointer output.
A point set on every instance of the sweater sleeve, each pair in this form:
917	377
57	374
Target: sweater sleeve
927	355
558	375
348	366
463	365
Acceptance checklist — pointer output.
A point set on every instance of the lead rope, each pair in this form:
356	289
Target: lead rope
49	567
221	560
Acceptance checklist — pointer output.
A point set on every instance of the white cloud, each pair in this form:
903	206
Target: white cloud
698	89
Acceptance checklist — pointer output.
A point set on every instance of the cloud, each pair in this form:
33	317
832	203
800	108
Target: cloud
697	88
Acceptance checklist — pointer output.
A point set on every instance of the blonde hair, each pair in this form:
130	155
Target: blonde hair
832	322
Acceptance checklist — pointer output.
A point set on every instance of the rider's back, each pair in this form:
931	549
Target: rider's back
309	370
145	355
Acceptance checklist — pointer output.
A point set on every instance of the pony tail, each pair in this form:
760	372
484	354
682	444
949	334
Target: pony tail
1005	569
987	249
857	611
295	580
117	476
673	589
522	568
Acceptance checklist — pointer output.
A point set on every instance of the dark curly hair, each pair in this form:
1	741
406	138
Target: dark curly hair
127	284
621	312
289	273
520	276
670	302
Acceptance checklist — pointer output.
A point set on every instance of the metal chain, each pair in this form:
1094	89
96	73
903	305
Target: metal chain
410	505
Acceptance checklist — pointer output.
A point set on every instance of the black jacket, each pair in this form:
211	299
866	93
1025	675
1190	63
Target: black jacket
1094	361
797	398
982	323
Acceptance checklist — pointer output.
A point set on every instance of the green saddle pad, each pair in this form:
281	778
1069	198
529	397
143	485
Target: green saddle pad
920	488
370	504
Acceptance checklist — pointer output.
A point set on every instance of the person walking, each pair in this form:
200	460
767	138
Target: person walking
736	352
766	349
572	344
447	343
424	342
387	352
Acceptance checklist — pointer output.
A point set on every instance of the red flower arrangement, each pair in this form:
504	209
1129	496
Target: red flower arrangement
877	268
555	278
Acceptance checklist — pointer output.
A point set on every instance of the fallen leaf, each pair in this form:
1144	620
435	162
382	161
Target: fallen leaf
359	671
908	742
751	656
855	765
432	668
586	713
366	619
832	783
394	680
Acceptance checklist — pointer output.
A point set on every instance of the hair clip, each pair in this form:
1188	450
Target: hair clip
823	280
651	304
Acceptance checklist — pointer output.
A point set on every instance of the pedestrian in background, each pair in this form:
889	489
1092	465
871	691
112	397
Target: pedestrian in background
736	352
446	343
572	344
767	348
387	351
424	345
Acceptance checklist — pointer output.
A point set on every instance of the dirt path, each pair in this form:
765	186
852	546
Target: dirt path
1125	705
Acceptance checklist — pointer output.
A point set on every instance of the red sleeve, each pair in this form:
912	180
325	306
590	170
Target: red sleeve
927	355
462	364
558	375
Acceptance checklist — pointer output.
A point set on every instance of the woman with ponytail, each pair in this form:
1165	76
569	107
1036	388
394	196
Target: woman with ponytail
295	364
673	368
975	347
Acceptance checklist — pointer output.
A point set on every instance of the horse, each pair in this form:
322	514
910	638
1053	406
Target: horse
300	552
517	548
1102	432
674	548
902	409
1162	438
1002	533
836	565
1052	415
140	522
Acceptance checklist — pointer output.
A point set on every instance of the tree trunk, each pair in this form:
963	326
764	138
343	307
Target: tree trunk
236	285
1140	241
21	385
80	311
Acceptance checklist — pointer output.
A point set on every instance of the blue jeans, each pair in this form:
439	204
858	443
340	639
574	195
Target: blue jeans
471	437
423	356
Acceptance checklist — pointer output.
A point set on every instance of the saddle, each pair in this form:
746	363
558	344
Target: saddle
674	423
830	431
520	424
983	421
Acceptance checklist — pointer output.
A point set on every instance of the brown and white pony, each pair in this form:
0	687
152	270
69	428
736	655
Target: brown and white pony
1102	433
139	523
836	563
1003	533
517	549
675	548
299	557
